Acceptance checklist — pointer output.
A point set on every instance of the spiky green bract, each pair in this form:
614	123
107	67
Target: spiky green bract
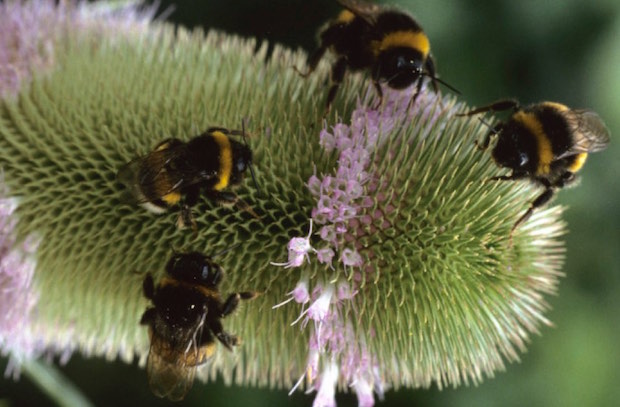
447	296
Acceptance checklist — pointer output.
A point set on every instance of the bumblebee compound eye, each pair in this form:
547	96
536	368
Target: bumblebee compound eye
241	165
243	161
523	159
403	63
210	272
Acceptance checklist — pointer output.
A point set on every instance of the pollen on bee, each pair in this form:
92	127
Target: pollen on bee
172	198
580	160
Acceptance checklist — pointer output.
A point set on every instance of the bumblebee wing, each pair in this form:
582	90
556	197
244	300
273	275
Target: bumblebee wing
171	368
169	380
160	173
366	11
590	133
168	373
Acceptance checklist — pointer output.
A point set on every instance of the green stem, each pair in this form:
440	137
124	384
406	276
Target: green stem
54	384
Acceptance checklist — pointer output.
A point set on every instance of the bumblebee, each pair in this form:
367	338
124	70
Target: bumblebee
546	142
388	42
184	322
176	173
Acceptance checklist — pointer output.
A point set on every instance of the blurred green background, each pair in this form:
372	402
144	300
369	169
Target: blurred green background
562	50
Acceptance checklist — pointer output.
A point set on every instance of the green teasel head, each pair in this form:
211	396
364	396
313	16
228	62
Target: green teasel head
382	250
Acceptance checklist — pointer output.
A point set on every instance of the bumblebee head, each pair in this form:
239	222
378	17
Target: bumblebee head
512	151
400	67
194	268
242	160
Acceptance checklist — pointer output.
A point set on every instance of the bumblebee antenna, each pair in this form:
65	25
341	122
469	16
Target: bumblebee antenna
444	83
491	128
245	141
226	250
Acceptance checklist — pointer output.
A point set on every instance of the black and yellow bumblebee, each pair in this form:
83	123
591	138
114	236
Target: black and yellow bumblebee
176	173
388	42
546	142
184	321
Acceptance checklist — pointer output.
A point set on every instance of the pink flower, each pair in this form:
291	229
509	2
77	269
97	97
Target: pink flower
325	255
319	309
298	249
326	395
345	292
312	369
351	258
363	390
18	299
300	294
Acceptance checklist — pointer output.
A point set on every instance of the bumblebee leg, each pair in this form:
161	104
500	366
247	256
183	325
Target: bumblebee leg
186	218
511	177
233	301
498	106
231	197
230	305
228	340
190	199
487	139
379	93
418	89
148	317
313	61
148	287
538	202
328	38
565	179
376	76
338	71
430	69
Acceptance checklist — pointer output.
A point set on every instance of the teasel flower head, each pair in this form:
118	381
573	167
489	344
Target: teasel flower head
381	249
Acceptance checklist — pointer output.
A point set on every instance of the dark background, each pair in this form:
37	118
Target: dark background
566	51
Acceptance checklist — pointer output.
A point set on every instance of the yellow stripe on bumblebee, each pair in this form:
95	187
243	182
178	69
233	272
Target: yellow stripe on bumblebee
407	39
580	160
558	106
545	151
226	161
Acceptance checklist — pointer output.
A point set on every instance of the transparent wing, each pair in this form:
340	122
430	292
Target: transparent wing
171	368
159	173
591	134
362	9
168	373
